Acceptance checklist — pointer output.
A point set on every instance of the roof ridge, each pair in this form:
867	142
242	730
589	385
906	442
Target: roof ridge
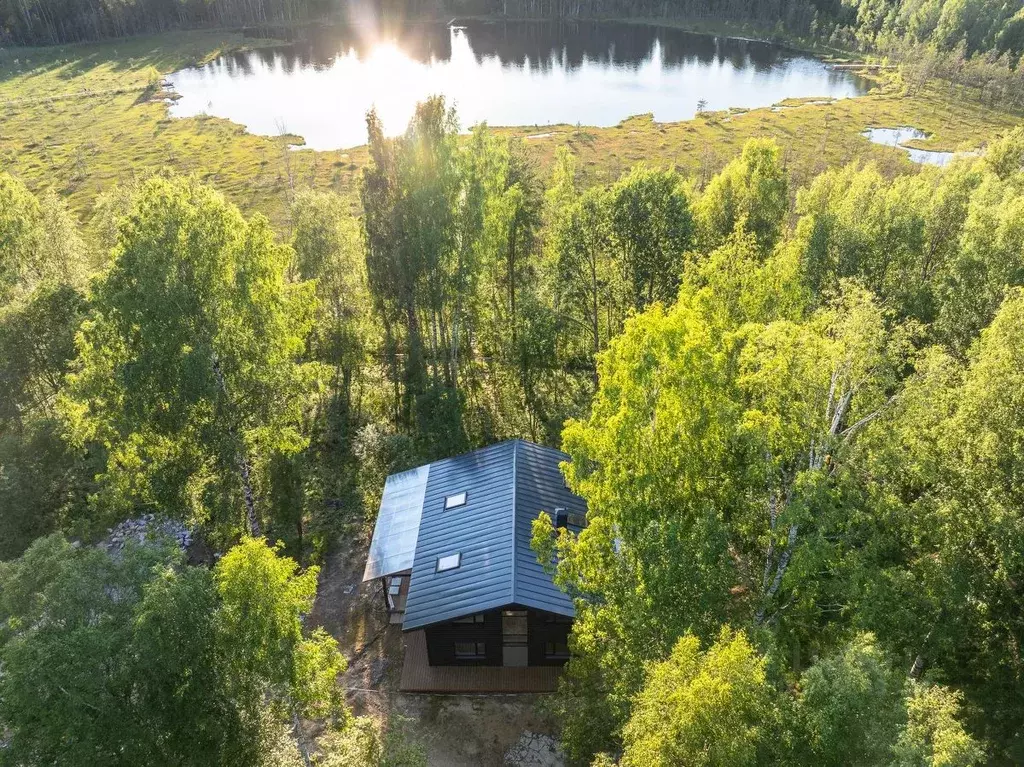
515	516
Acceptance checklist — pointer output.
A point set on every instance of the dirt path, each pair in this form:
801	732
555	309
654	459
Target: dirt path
456	730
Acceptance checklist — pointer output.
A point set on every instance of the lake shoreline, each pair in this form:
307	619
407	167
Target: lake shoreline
510	73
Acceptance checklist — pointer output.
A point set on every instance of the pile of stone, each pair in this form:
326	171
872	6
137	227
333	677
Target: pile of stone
147	528
535	750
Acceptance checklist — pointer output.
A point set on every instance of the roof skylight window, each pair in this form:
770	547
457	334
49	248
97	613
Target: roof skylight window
449	562
454	501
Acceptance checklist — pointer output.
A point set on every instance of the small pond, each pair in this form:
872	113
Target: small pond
897	137
509	73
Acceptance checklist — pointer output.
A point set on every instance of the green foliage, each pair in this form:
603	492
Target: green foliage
840	477
651	229
542	540
110	207
703	708
38	241
454	271
1005	156
854	223
263	597
710	462
752	189
179	681
613	251
978	25
650	514
138	659
363	744
189	372
848	706
358	745
720	706
585	280
415	263
41	306
940	525
17	229
43	483
328	249
63	625
314	492
989	259
380	452
399	750
941	248
37	346
933	736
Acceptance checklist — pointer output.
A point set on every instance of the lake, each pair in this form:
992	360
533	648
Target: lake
504	73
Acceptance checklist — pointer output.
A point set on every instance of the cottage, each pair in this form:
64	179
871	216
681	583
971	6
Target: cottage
451	547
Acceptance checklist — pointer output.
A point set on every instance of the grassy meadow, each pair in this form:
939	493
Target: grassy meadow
80	118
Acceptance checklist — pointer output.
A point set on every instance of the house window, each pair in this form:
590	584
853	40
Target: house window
556	650
470	650
449	562
454	501
566	518
478	618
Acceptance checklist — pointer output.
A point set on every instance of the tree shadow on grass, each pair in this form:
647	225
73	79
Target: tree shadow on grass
165	53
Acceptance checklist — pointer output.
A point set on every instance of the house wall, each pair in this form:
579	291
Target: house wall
441	639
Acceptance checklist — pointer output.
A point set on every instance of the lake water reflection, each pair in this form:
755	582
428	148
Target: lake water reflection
897	137
511	73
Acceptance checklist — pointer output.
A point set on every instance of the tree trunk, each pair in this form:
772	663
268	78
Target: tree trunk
241	459
250	501
597	310
512	279
298	740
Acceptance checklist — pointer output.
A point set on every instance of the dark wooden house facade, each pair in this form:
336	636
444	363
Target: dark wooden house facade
510	637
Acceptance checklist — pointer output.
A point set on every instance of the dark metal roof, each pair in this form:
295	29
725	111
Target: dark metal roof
507	485
540	486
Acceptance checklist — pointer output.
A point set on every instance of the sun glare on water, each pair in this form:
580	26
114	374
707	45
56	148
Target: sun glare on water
502	81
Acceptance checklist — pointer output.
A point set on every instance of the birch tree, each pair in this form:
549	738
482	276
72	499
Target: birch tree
652	230
189	375
327	246
709	463
584	279
415	264
39	242
810	389
141	659
753	189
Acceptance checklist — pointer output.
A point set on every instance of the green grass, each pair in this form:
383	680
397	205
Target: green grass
814	136
77	119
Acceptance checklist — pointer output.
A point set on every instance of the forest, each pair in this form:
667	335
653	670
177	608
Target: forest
952	31
796	414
